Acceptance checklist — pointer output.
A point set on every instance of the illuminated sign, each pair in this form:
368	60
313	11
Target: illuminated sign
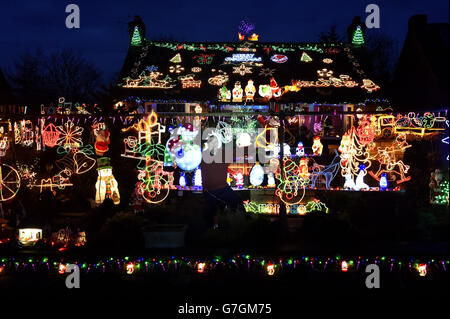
243	57
279	58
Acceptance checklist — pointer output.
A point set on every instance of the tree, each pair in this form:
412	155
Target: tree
330	36
383	53
42	78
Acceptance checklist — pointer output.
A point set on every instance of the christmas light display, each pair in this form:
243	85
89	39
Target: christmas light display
365	132
358	37
257	175
305	58
243	57
136	39
300	150
176	69
270	91
242	69
257	208
29	236
389	163
317	146
267	72
176	58
359	183
69	135
325	174
102	140
383	182
106	185
188	82
77	162
151	81
270	180
279	58
237	92
9	182
353	153
291	186
240	262
250	91
154	183
243	140
4	146
59	180
198	177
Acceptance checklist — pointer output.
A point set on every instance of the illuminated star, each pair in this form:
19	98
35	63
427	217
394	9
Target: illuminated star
242	69
267	72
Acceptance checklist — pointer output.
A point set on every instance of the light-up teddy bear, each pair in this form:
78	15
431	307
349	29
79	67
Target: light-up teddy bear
106	185
237	92
317	146
239	177
250	91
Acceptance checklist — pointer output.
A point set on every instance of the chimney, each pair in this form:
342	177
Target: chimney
417	22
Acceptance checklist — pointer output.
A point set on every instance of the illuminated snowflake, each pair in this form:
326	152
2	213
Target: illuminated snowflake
242	69
70	135
152	68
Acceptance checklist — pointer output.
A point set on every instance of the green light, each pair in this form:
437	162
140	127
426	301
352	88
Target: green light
358	37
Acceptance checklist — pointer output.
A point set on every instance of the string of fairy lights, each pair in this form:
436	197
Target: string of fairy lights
237	263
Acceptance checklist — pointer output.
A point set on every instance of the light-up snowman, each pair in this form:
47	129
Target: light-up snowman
184	152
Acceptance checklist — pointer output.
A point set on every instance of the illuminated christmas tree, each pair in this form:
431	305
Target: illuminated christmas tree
358	37
136	38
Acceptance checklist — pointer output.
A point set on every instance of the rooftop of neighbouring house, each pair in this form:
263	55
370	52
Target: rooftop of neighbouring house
6	96
283	72
421	78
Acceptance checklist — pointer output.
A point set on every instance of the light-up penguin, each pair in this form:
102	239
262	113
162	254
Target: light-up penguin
383	182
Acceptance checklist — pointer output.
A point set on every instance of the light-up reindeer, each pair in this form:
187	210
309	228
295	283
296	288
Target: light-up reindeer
389	163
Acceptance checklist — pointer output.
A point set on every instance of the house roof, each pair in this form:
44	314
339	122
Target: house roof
283	72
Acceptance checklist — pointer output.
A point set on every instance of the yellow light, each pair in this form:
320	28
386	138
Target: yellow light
270	269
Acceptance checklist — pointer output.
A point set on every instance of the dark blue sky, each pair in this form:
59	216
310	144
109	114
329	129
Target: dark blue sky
103	37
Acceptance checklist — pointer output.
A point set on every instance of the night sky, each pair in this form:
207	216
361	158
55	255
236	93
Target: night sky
103	38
